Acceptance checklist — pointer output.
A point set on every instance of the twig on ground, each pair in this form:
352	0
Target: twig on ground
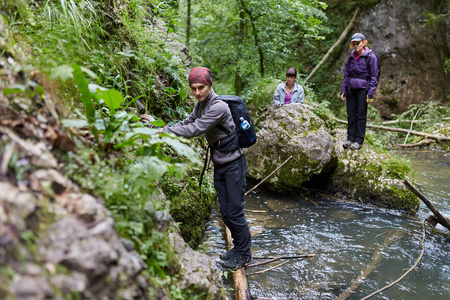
278	258
254	188
410	127
264	271
255	211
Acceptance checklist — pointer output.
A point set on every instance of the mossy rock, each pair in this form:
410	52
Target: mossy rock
293	130
190	207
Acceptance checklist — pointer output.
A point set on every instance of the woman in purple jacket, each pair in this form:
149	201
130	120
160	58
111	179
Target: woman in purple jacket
358	86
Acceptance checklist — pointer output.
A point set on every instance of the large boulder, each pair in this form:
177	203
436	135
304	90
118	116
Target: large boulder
293	130
369	177
320	162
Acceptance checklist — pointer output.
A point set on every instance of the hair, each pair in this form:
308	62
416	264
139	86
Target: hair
364	41
291	72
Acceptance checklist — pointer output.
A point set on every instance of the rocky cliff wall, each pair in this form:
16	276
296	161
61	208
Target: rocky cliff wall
412	54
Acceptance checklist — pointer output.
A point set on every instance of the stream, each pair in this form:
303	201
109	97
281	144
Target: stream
351	242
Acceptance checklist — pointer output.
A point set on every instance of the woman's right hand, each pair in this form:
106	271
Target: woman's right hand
343	97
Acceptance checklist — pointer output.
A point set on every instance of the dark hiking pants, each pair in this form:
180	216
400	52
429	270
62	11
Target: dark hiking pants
229	181
356	115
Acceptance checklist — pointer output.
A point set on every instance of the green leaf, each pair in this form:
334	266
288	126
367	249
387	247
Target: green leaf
77	123
113	98
39	90
144	130
14	89
181	149
158	123
89	72
137	227
63	72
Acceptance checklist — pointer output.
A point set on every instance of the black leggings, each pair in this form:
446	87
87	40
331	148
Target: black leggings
356	115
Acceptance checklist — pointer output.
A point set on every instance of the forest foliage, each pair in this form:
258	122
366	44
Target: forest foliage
105	55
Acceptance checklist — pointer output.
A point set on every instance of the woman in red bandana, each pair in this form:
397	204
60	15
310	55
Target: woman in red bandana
230	168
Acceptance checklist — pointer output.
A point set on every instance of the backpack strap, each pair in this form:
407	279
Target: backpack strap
204	168
220	126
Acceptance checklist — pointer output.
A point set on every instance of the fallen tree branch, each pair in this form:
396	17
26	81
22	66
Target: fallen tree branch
410	127
407	272
239	278
424	134
407	121
441	219
284	256
271	268
338	42
278	258
422	142
377	256
255	211
248	192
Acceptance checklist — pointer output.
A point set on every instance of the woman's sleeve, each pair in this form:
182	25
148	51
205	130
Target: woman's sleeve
373	82
199	126
277	96
301	94
345	79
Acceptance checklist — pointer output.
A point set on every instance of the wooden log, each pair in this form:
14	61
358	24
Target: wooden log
422	142
239	278
424	134
441	219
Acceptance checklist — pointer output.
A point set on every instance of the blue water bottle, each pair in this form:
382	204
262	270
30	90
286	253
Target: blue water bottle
244	124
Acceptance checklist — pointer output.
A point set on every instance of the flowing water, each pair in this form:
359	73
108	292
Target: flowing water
358	249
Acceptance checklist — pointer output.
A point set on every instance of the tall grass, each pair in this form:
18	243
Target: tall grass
126	43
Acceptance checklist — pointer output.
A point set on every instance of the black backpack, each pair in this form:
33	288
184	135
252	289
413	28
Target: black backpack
378	63
239	138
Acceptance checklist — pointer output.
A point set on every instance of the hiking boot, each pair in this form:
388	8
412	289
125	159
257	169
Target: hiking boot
227	255
237	261
347	144
355	146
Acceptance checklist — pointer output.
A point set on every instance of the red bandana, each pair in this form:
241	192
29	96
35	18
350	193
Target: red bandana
200	75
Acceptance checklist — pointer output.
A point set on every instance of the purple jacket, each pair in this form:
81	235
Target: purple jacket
357	75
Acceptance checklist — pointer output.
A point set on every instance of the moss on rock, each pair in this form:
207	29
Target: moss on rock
189	206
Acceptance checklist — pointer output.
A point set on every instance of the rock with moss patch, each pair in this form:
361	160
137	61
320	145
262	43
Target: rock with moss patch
293	130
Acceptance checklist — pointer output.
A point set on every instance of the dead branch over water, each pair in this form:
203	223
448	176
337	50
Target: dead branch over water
423	134
377	256
440	218
407	272
271	268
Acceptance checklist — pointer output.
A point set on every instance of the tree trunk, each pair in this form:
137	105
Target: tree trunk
188	23
256	37
237	76
339	41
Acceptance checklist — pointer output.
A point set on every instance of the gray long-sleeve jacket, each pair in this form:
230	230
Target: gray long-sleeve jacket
280	93
203	120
